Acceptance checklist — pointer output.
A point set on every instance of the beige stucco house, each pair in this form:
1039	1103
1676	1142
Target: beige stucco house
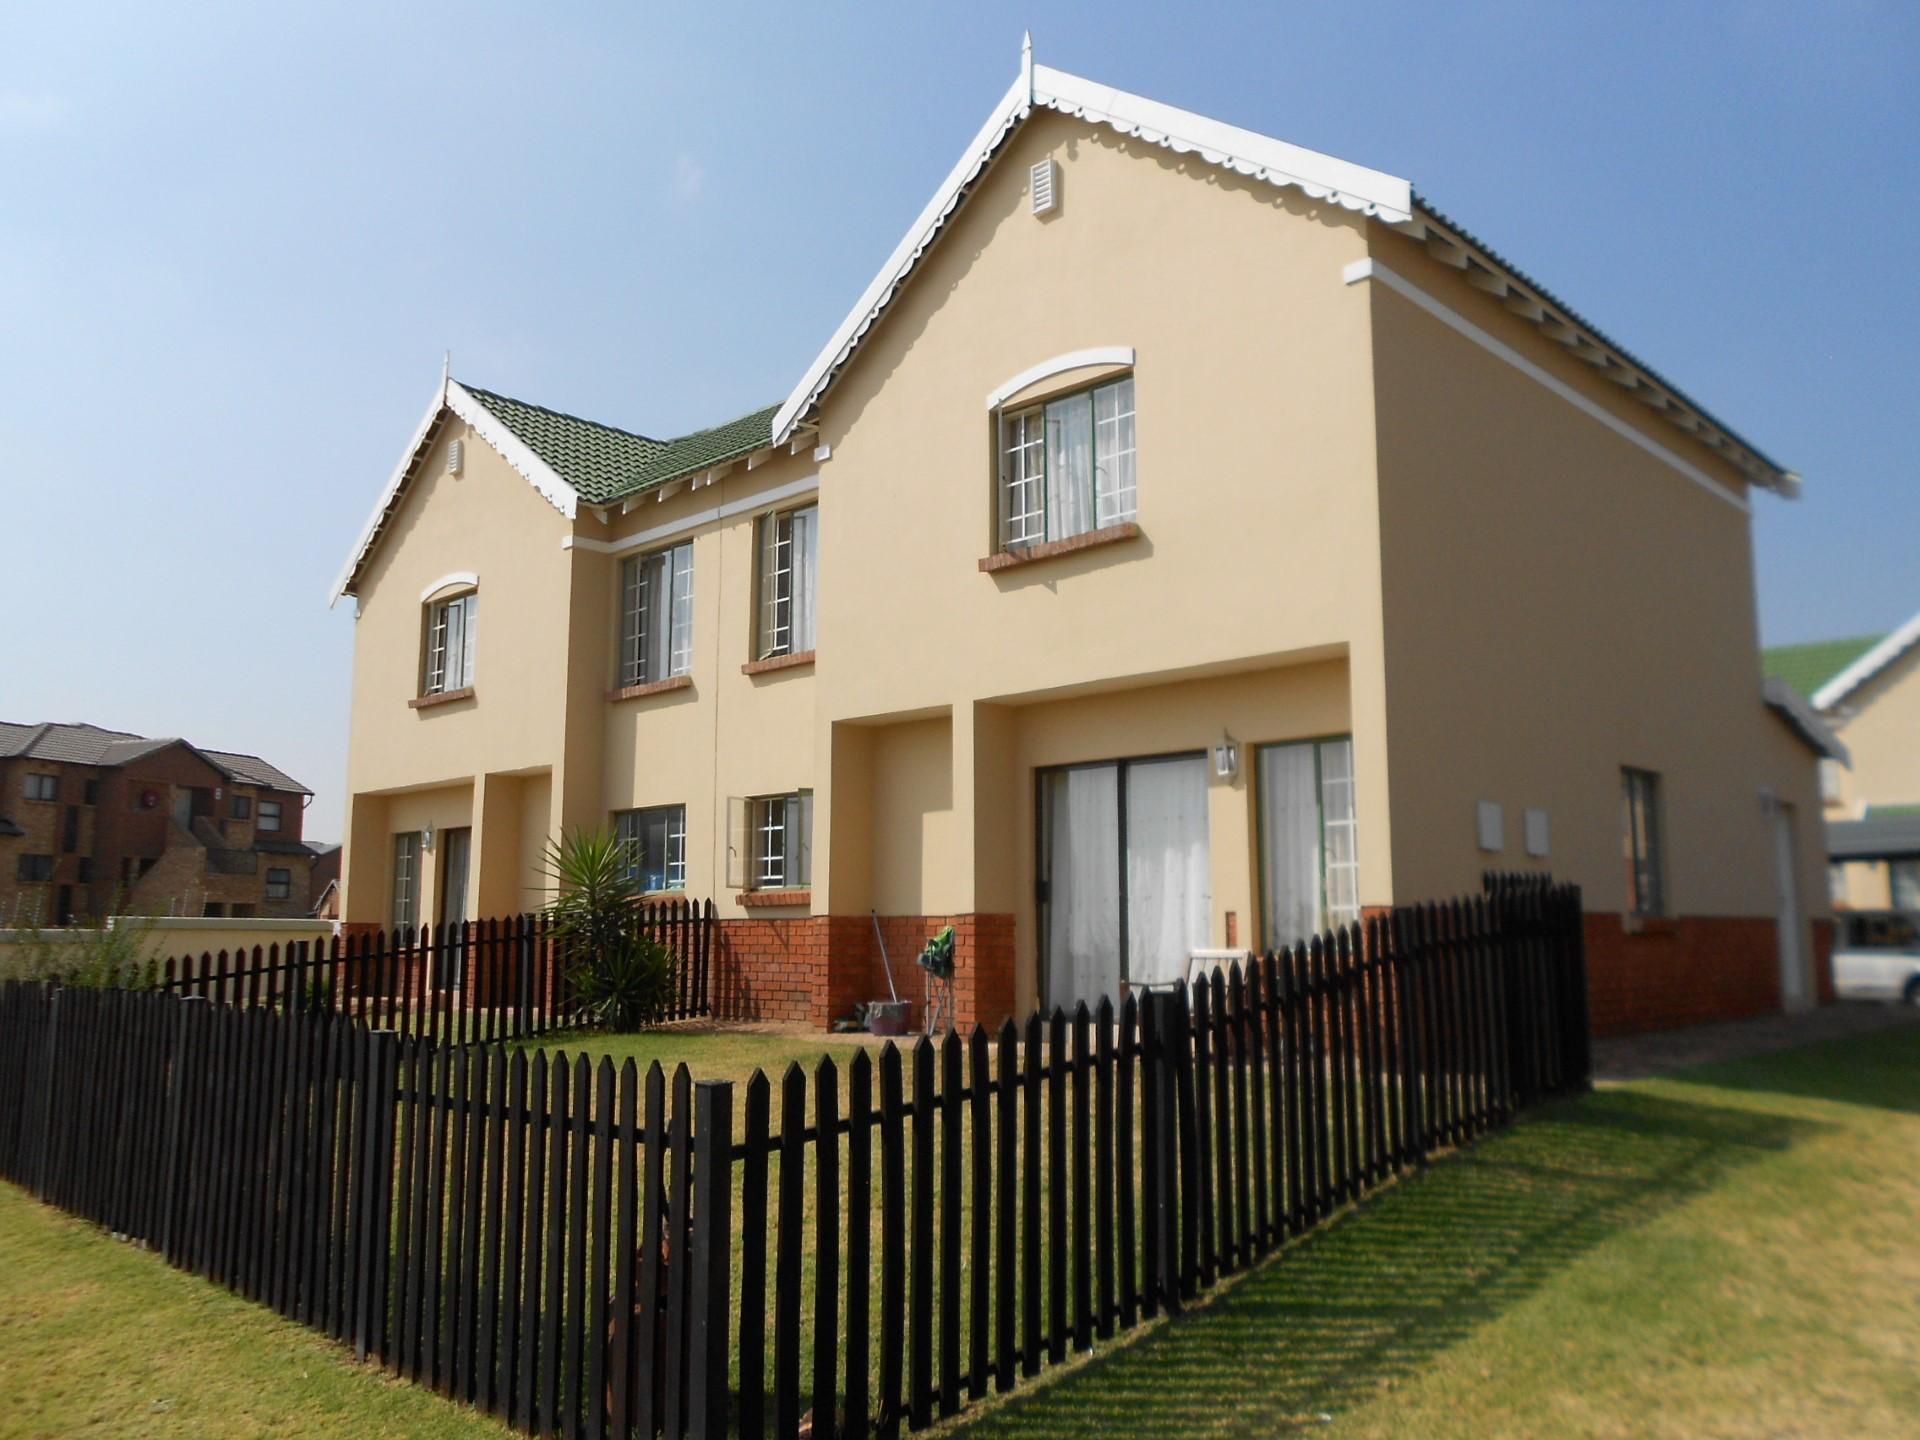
1187	541
1866	689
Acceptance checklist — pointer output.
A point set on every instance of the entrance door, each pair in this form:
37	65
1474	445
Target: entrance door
1794	990
456	850
1125	875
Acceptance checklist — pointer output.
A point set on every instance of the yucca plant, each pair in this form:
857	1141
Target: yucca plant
620	978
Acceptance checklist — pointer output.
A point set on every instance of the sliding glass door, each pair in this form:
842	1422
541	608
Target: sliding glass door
1125	880
1309	861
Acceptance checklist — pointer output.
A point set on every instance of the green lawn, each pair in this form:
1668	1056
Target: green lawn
98	1338
1733	1253
1727	1254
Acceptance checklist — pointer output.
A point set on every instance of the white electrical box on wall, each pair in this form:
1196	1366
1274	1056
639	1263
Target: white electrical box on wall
1491	823
1536	832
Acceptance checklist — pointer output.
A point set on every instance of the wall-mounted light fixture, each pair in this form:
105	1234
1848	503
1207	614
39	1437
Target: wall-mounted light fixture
426	837
1226	757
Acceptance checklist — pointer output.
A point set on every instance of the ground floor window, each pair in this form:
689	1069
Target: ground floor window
1125	881
406	866
1309	841
782	839
1903	884
1641	843
655	842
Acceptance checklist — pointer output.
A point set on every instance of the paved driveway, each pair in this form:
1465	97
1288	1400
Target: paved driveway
1638	1056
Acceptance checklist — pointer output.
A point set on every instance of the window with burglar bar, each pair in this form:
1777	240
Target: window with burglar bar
1067	466
782	841
1642	843
655	842
448	663
406	871
656	615
789	547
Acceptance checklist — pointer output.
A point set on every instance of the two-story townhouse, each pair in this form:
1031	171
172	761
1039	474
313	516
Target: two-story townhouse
1186	542
1866	689
97	822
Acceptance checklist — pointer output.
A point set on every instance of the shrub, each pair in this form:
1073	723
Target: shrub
619	978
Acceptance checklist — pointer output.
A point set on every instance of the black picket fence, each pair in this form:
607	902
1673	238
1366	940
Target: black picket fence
585	1251
466	983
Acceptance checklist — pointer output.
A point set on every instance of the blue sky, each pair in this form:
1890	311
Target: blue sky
234	242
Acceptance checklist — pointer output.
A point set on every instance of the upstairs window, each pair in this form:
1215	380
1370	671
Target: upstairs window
269	815
1067	466
656	616
35	869
279	884
43	787
447	663
655	841
241	807
789	565
1641	842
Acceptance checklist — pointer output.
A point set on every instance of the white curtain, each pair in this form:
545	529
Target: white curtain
806	542
1289	843
1083	870
1070	466
1169	889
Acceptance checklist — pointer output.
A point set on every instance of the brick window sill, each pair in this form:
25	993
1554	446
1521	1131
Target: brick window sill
778	662
445	697
1649	924
1088	540
759	899
652	687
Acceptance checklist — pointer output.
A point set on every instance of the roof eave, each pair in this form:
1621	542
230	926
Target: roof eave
1794	709
451	397
1868	665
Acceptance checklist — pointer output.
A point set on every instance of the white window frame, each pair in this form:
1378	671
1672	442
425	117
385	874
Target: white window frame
780	838
1340	877
446	661
1023	438
781	577
267	815
672	566
631	826
1643	841
404	893
41	786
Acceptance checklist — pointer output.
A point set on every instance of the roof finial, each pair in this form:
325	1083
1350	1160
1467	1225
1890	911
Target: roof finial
1026	62
446	371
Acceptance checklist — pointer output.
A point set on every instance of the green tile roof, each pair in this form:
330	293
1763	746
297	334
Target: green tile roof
1807	667
605	463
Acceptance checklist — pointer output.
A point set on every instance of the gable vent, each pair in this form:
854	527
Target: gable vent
455	454
1045	187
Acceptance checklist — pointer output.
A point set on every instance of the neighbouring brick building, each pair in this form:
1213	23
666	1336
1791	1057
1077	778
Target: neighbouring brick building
98	822
1187	541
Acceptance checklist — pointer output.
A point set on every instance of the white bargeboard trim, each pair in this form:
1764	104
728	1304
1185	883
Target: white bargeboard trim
1059	365
1371	269
451	395
1323	177
1868	665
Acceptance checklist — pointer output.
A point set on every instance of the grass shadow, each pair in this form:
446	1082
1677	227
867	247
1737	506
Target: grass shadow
1347	1312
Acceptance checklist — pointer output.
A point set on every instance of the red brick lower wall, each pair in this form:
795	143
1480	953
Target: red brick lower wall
1690	971
813	969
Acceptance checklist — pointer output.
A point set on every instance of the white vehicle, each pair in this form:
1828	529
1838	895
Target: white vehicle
1878	957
